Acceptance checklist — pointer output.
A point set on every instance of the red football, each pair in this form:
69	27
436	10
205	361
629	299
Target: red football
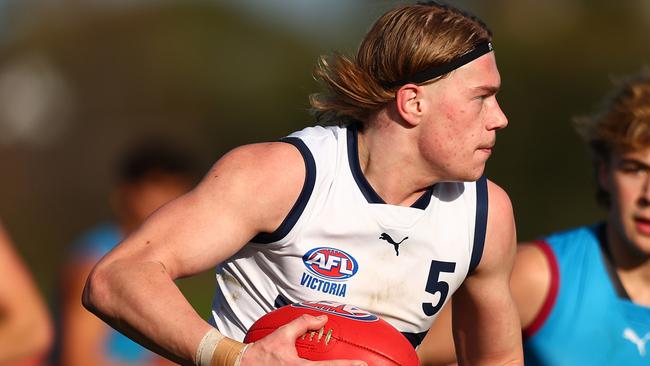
350	333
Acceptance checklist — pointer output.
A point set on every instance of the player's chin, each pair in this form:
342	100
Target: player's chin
474	174
641	245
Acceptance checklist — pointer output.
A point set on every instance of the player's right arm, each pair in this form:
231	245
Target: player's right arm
530	284
250	190
484	315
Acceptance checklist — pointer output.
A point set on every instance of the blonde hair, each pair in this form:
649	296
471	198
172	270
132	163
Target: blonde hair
621	125
402	42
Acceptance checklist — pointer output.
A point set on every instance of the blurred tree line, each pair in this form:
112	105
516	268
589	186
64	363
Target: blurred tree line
80	81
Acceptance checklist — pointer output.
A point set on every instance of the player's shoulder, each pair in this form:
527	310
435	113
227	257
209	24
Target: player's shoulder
532	260
531	283
539	257
268	176
285	161
500	203
500	236
500	220
261	161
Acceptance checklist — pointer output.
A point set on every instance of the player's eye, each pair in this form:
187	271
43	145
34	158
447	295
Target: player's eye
631	167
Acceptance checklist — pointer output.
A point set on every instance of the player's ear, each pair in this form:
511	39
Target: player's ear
409	103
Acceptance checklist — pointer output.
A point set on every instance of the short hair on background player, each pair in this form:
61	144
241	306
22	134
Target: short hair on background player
153	156
402	42
621	125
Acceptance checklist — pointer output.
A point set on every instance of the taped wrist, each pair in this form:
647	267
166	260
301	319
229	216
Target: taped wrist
207	346
228	353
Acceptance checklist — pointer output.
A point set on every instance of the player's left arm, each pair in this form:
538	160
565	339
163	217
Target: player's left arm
485	319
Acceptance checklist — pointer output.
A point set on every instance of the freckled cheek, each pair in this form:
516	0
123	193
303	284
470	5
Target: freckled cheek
442	150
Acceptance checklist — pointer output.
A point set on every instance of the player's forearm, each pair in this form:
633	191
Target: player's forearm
142	301
496	340
510	357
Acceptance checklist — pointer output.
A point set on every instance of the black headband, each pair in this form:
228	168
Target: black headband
431	73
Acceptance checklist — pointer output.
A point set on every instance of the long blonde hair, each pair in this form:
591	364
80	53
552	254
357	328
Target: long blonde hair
402	42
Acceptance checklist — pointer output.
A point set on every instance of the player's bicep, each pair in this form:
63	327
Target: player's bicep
241	196
493	271
484	314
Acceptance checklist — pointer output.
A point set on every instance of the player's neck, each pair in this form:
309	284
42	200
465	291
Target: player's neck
632	267
388	159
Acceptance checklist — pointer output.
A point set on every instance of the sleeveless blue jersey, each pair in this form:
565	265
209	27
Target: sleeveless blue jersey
93	245
585	320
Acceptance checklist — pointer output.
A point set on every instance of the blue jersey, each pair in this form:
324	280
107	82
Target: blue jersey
587	319
92	246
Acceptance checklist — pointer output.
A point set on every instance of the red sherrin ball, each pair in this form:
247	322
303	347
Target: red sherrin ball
350	333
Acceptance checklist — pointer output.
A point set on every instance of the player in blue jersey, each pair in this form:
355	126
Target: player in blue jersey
584	294
386	208
149	175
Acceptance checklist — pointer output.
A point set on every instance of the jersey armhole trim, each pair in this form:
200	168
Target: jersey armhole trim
480	224
310	179
551	296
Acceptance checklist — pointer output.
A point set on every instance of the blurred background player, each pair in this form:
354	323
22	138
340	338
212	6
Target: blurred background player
26	331
149	175
584	294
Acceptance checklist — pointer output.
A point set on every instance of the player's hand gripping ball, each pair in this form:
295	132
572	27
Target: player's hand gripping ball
349	334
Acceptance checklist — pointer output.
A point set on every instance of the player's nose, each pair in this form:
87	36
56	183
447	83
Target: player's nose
498	119
644	194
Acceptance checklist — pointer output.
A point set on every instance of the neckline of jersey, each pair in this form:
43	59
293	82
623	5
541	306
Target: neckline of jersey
364	186
601	235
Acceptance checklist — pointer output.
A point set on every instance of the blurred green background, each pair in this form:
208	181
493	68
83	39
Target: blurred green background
81	80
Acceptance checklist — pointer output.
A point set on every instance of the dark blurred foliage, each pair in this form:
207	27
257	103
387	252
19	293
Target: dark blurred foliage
187	72
80	83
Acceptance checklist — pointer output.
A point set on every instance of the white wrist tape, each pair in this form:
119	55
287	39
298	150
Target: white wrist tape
241	354
207	346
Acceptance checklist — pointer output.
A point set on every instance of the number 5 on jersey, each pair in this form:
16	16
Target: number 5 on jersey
434	285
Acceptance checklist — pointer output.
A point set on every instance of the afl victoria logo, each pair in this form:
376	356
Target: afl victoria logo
329	263
335	308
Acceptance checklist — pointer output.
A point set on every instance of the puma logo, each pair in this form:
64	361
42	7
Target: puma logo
640	343
387	237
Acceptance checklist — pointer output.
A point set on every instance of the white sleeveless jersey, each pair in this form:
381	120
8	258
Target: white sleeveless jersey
341	242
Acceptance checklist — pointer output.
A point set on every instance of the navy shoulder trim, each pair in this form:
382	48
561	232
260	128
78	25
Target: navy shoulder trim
301	203
480	224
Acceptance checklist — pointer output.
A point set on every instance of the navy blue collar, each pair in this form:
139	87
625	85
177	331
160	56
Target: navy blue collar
362	182
601	235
